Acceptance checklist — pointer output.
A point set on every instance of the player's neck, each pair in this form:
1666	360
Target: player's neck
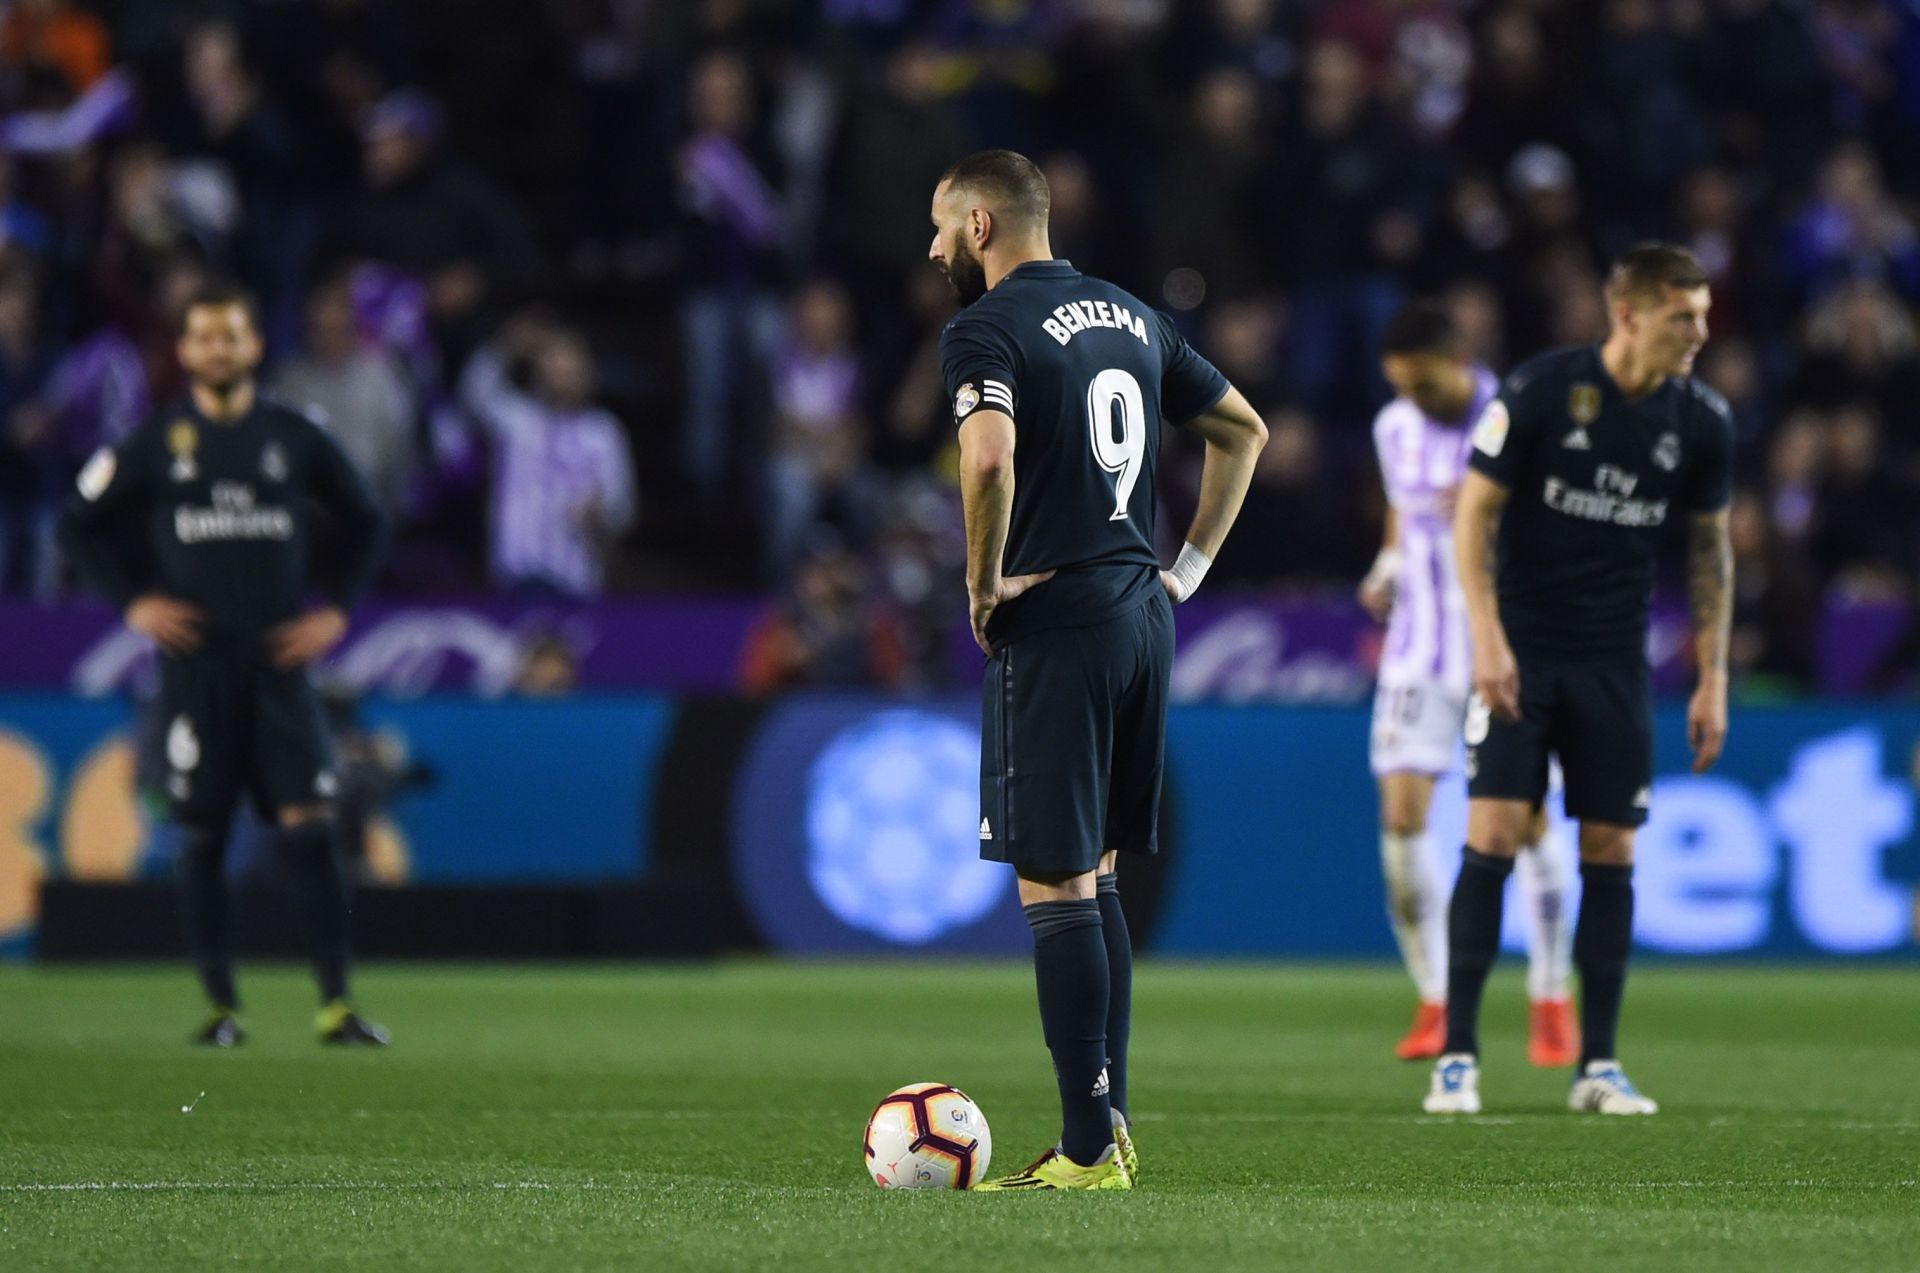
227	407
1462	404
1634	377
1013	256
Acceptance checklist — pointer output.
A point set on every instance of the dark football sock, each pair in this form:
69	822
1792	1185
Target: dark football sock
320	893
1473	941
205	912
1113	926
1070	969
1600	946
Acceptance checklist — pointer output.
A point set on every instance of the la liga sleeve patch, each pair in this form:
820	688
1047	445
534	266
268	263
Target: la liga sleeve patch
97	475
1490	434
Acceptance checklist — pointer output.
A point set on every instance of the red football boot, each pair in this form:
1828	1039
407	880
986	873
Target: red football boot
1427	1037
1554	1040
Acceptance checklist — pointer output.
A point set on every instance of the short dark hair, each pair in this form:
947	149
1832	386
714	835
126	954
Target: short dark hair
1645	270
1421	327
1011	181
218	294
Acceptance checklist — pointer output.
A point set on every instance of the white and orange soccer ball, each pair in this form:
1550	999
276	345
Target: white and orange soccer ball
928	1136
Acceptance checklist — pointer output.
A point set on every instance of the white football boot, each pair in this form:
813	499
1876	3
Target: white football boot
1456	1085
1604	1088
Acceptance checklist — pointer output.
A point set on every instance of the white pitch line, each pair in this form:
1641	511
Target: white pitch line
1365	1186
1534	1116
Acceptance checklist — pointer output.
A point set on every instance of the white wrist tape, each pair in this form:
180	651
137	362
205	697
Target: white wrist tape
1188	570
1385	568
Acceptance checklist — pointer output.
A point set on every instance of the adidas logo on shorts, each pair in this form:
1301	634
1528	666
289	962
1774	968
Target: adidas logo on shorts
986	829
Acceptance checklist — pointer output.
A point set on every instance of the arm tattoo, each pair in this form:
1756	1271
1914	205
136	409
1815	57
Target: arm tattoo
1710	587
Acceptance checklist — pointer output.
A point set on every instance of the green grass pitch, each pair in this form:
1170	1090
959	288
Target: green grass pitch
709	1118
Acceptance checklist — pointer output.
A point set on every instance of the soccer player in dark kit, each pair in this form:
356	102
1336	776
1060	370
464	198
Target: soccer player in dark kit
1059	384
1583	459
198	527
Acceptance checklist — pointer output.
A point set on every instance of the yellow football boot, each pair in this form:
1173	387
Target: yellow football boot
1054	1170
1123	1141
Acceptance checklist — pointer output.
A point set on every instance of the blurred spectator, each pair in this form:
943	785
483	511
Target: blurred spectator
816	468
239	183
827	634
433	218
1517	95
1864	538
1861	347
1243	341
1852	228
1351	235
549	668
1080	227
58	38
28	484
1248	35
1294	525
1650	130
1796	467
919	417
95	396
901	132
1470	239
920	563
563	487
1731	366
731	319
1712	226
1476	311
1218	201
358	391
144	231
1775	604
374	770
23	229
1275	172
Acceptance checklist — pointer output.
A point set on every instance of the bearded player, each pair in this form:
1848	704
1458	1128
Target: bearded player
1425	676
1581	462
1060	383
198	527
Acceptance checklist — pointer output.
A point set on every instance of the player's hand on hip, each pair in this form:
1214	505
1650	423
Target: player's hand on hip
1496	677
300	641
980	608
1376	597
1707	723
174	625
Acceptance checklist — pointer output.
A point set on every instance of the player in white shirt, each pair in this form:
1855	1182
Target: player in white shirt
1426	675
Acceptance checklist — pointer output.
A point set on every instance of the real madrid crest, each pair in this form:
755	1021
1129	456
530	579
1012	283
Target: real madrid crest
1583	404
966	400
1666	452
183	439
273	462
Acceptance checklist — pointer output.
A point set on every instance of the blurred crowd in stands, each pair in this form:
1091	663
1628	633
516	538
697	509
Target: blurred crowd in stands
630	295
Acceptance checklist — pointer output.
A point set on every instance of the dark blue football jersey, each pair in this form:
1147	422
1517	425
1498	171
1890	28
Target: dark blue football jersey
1593	480
224	512
1088	373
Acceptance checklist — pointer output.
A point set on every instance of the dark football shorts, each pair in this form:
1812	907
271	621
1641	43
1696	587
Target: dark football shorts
228	729
1073	742
1597	718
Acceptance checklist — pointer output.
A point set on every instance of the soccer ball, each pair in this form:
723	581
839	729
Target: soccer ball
928	1136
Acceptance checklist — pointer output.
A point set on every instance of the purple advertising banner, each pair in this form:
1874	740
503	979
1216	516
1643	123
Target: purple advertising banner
1231	649
689	645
